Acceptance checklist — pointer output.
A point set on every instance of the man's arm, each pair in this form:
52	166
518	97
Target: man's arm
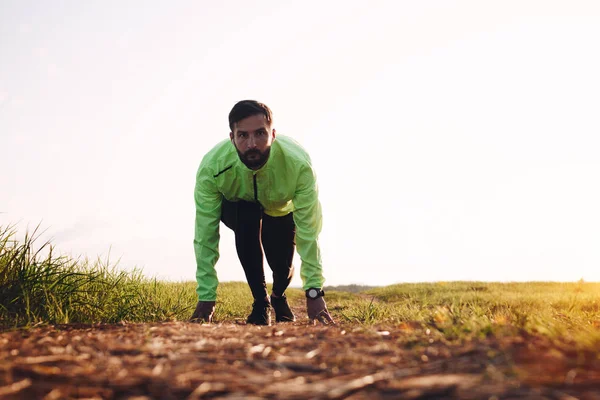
308	220
206	237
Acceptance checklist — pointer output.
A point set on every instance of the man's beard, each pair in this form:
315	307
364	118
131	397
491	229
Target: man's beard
257	161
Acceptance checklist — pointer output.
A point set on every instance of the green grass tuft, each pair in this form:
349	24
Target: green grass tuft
38	286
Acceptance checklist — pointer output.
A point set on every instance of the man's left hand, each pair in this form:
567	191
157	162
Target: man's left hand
317	310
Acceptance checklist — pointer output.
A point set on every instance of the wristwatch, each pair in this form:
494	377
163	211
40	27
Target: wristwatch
313	293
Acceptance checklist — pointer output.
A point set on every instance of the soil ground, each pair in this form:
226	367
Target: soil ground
178	360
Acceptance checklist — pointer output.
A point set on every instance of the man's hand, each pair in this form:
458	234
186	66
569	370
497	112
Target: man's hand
317	309
204	312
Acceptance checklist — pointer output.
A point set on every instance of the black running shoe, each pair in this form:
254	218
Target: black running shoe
261	314
283	313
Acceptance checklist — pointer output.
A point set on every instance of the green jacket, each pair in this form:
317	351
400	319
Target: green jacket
286	183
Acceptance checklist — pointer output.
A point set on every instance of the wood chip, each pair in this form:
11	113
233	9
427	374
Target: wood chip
15	388
205	388
53	358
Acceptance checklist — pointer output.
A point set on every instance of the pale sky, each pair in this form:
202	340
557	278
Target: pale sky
453	140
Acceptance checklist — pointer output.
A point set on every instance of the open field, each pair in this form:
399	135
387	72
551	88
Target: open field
82	329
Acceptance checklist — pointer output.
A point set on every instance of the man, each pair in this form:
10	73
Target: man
263	187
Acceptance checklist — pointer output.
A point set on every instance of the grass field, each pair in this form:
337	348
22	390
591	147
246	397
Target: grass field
38	287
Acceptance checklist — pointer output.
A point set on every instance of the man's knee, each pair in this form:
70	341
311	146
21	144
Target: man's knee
236	214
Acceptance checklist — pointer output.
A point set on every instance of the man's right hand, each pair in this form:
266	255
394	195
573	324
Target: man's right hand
317	310
204	312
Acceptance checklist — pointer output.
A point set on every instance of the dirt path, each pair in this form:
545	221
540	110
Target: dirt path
285	361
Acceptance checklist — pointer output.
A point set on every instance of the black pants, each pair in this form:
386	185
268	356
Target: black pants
277	235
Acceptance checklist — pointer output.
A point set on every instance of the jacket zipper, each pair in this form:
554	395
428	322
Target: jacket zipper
256	194
255	190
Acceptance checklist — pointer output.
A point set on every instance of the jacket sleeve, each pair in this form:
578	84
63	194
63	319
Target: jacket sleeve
308	220
206	237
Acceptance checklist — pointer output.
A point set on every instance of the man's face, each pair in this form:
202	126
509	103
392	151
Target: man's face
252	137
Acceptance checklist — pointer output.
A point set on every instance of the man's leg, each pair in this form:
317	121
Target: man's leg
244	219
278	239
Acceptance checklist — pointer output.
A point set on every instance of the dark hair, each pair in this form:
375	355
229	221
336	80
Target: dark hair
247	108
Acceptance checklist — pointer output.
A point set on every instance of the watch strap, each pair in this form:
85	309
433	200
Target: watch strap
320	293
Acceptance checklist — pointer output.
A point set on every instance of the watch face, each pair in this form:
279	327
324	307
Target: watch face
312	293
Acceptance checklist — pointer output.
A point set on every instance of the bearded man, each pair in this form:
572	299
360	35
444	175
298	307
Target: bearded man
263	187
